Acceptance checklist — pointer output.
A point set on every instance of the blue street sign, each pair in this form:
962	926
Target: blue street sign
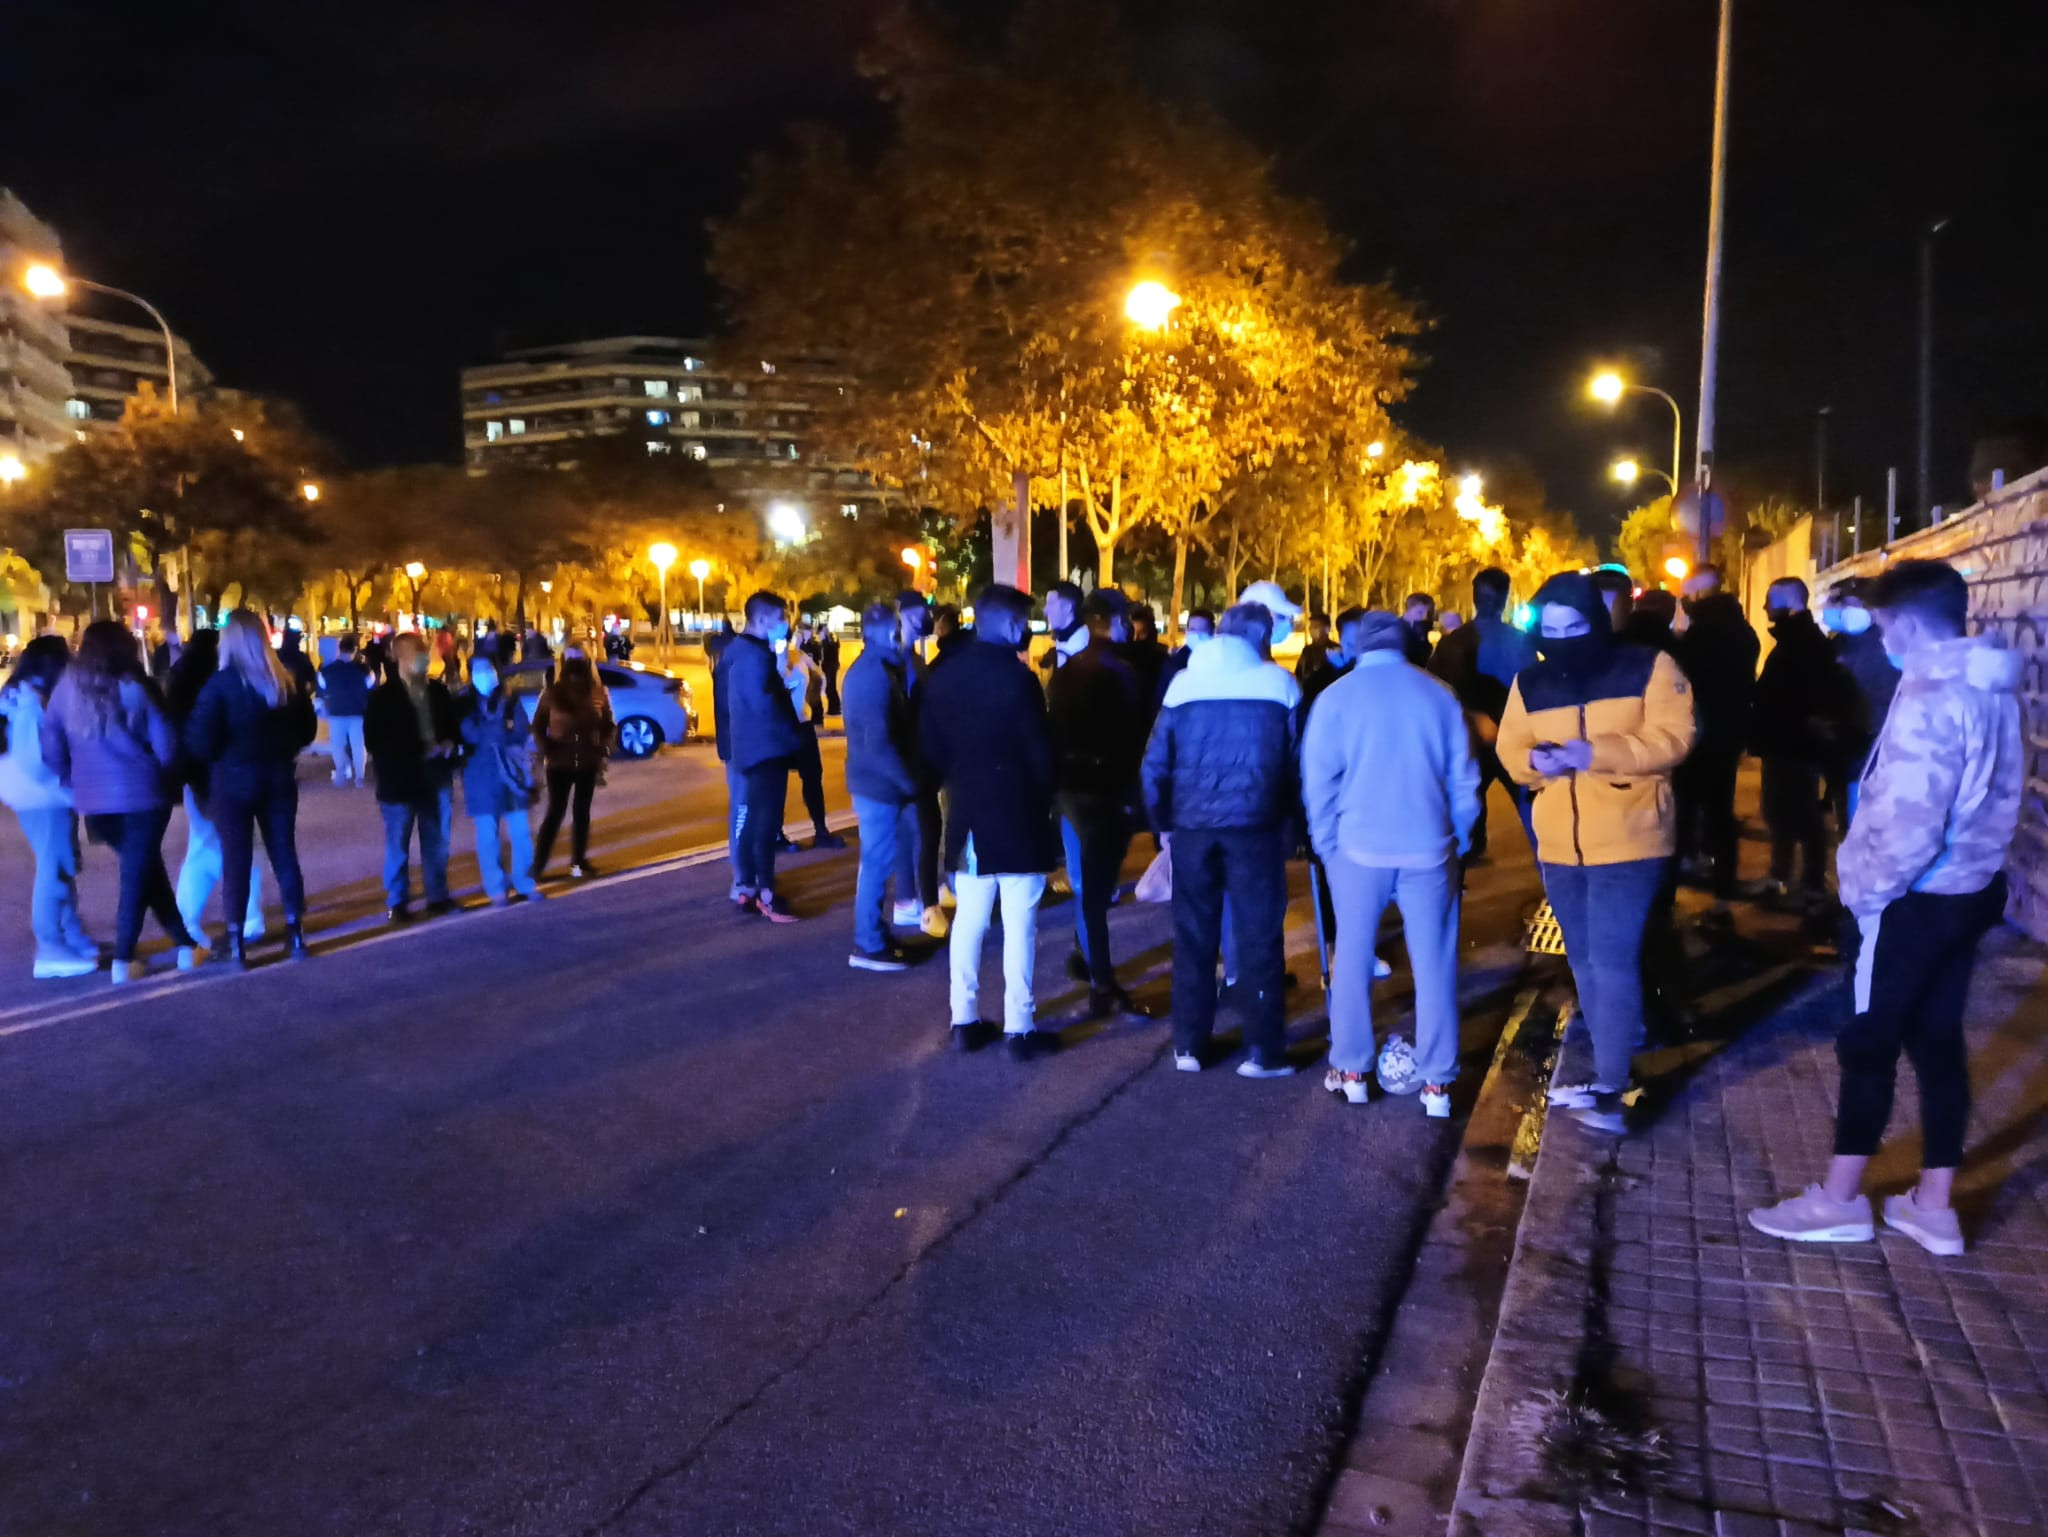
88	555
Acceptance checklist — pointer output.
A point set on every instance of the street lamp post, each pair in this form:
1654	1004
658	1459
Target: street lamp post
663	556
46	282
1926	435
1710	327
415	574
700	568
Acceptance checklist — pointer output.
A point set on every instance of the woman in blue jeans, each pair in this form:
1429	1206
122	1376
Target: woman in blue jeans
42	805
1595	729
106	736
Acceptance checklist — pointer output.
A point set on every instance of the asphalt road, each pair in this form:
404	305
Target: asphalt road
624	1215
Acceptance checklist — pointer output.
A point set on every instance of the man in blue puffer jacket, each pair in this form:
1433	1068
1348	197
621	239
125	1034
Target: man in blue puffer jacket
1223	790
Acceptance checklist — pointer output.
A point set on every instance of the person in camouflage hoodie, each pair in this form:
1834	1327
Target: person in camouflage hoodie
1922	873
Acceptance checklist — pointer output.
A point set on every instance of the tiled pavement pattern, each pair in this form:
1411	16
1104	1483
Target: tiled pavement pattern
1762	1387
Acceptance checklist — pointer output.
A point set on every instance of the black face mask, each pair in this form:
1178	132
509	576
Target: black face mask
1570	651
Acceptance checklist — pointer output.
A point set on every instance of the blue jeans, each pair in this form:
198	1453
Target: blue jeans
1603	910
52	833
499	878
201	871
887	829
430	815
1097	836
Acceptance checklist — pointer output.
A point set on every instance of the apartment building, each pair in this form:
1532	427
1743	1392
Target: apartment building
34	383
109	361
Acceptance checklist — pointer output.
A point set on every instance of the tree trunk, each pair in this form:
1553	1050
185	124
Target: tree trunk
1105	548
1180	579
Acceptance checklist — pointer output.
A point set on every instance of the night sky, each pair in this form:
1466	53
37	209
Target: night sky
345	204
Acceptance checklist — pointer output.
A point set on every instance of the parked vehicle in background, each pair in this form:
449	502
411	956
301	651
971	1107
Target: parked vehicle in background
651	707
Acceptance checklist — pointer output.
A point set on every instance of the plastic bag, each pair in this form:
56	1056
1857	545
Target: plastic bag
1156	884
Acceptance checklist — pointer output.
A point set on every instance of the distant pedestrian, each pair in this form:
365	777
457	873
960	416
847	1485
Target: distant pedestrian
1594	729
252	721
1480	661
36	795
1617	590
1718	655
805	681
1860	650
1650	619
1392	795
573	726
1806	711
409	727
883	776
1198	631
949	632
812	645
828	662
982	729
932	895
205	861
501	774
1221	787
1315	651
1096	711
759	737
448	659
1922	872
1419	614
1338	661
1063	625
1146	653
291	655
345	690
106	737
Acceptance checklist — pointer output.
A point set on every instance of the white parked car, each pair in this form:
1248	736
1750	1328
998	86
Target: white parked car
649	706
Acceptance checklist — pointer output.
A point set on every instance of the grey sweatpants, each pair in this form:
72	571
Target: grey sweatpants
1429	901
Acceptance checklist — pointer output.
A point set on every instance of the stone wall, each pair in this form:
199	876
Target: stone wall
2001	547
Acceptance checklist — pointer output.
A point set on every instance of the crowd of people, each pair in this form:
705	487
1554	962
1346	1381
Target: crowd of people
96	739
1617	729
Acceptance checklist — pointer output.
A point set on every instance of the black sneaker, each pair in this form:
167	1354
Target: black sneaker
785	846
1077	969
1114	1002
888	959
399	913
828	840
442	905
972	1036
1030	1045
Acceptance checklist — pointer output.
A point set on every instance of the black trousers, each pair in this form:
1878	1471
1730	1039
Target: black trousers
931	843
1490	770
275	811
1792	812
832	691
1250	866
759	794
810	773
1912	982
1705	786
569	789
137	839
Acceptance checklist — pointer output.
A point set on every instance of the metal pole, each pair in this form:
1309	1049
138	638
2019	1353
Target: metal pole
1891	505
1856	533
664	616
1710	330
1926	443
1820	459
170	342
1064	568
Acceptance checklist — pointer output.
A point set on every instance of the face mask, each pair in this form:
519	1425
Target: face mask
1854	621
1779	615
778	632
1197	639
1570	650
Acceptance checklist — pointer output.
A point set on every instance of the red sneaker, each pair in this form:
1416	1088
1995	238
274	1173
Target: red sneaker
774	909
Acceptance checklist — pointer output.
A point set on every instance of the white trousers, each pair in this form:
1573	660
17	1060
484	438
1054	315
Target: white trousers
976	896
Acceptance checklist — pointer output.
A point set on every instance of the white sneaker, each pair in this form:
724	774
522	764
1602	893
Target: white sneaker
1436	1101
1355	1087
1938	1232
1584	1096
1813	1216
935	923
1252	1067
1186	1062
128	971
1380	970
254	936
63	963
191	957
906	915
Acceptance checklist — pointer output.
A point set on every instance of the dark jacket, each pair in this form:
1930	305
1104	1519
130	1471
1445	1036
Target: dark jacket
881	731
1481	660
493	730
1224	750
573	726
983	733
1863	657
1316	657
345	685
406	774
755	718
1718	654
1335	666
1806	707
125	767
252	746
1096	708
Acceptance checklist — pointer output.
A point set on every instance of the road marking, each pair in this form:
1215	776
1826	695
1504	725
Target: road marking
361	935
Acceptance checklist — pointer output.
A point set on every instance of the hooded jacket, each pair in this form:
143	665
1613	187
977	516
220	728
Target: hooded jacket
1718	653
1223	752
1941	797
1634	706
27	783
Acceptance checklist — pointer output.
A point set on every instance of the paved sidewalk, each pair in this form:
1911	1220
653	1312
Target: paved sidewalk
1660	1367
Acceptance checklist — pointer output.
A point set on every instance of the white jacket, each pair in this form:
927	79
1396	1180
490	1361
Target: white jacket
26	782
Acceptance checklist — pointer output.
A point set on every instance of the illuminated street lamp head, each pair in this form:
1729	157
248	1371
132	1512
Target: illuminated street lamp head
12	469
1374	449
700	569
1678	568
1627	471
913	557
238	434
415	569
1471	485
663	555
1151	305
786	523
44	281
310	490
1607	387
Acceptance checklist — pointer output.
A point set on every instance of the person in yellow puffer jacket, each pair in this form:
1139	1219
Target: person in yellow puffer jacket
1594	729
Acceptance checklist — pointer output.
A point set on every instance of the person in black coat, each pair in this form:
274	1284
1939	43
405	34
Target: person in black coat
251	722
1860	650
1717	654
1805	714
982	729
758	740
828	662
884	779
410	728
1096	707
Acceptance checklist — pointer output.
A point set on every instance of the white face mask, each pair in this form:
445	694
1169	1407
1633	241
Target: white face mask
1852	621
1198	638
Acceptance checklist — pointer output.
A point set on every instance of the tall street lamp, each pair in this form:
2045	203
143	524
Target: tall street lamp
12	469
700	568
310	490
663	555
1150	305
1608	387
416	574
1629	471
46	282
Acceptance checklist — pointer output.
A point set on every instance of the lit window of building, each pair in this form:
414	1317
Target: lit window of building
78	410
516	425
657	389
493	431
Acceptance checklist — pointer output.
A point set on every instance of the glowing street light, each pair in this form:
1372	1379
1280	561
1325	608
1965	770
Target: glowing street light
700	568
913	557
1471	485
663	555
1678	568
1151	305
1608	387
1374	449
45	282
786	523
310	490
1629	471
237	434
12	469
416	574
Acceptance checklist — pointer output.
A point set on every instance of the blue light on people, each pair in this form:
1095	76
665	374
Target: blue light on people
1524	617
